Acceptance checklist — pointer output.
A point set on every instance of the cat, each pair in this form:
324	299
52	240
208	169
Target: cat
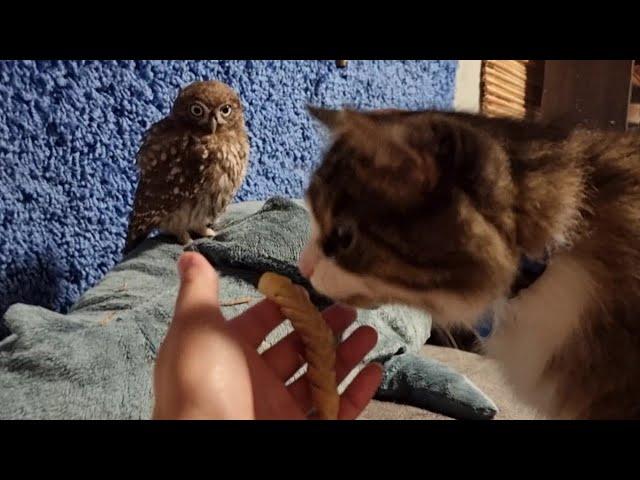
436	209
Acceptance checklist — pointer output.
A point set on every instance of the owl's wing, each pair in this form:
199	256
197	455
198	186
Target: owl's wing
170	174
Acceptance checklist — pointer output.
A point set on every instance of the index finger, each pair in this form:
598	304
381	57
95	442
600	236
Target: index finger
255	323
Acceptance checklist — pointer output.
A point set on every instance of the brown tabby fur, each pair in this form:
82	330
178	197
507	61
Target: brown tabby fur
435	209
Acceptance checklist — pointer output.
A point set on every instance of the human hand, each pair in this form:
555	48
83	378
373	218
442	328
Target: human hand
209	368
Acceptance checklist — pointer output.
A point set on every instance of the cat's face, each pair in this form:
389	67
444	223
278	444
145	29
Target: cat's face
412	209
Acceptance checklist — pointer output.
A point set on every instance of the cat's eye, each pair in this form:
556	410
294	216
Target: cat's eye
196	109
225	110
341	238
344	236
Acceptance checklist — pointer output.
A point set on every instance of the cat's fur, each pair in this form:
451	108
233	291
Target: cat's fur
435	210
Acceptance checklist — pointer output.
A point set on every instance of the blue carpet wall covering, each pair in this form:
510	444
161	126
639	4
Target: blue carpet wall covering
69	132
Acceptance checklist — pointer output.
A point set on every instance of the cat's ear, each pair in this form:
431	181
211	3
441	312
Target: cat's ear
386	148
332	119
459	151
450	142
455	145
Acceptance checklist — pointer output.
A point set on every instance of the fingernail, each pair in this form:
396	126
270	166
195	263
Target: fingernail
185	264
379	366
375	333
345	308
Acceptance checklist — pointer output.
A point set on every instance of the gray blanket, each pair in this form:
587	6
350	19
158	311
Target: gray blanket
96	362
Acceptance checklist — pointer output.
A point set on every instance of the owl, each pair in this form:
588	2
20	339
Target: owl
191	164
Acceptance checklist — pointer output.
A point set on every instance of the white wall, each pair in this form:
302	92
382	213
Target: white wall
467	94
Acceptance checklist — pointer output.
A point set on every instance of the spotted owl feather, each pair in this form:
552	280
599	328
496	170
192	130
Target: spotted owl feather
188	173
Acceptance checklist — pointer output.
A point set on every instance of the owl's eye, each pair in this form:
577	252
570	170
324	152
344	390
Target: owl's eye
225	110
196	109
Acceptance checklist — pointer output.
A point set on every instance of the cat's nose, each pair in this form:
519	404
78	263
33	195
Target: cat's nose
306	269
305	265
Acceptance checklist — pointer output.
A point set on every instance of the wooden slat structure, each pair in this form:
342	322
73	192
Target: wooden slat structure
634	107
634	114
591	93
511	88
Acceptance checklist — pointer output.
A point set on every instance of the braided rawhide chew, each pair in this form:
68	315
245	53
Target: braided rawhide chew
317	338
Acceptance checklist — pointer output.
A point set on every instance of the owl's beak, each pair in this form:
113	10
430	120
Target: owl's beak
213	125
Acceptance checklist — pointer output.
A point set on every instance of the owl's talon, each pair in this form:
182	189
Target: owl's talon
184	238
205	232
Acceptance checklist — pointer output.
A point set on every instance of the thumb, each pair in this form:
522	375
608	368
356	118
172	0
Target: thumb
198	296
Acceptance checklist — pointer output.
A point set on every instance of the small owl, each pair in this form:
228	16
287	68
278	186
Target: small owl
191	163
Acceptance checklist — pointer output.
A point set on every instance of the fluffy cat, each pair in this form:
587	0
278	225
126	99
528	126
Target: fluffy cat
435	210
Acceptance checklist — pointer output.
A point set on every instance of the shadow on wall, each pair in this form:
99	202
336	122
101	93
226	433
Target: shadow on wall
69	132
36	276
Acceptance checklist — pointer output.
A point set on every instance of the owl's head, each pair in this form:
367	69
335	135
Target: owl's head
209	106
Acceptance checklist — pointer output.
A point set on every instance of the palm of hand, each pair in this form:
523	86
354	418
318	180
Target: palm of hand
209	367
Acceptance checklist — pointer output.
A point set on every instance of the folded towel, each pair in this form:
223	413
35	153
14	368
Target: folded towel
96	362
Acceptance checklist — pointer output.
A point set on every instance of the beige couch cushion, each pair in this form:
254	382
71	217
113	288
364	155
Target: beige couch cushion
480	370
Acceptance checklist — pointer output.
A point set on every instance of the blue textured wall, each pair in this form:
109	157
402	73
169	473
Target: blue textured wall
69	132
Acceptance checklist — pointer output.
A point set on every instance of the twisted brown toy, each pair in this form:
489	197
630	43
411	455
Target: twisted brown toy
317	338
